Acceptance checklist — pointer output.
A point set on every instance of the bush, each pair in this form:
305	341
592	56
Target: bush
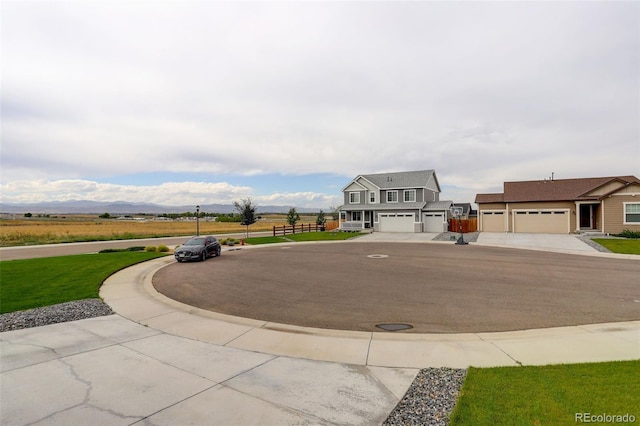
228	242
150	249
163	248
627	233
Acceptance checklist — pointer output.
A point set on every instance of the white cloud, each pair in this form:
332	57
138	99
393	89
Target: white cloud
169	193
482	92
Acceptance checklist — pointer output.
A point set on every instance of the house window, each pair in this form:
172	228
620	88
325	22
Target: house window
356	216
410	196
392	196
632	213
354	198
372	197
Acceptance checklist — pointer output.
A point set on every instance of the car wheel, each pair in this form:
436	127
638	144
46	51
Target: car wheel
218	251
203	256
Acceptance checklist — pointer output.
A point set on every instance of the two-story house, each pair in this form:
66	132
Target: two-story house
395	202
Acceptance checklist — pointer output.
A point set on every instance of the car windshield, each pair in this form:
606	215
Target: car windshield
194	242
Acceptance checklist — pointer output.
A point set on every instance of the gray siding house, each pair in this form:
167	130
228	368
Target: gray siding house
395	202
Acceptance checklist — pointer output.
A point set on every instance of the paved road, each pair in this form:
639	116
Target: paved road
48	250
437	288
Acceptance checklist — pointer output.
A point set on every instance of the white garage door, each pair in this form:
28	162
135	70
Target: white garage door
434	222
541	221
396	222
493	221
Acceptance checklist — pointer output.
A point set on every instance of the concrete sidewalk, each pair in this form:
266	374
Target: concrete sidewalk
162	362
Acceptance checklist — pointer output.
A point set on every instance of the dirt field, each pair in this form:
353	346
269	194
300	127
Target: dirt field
85	228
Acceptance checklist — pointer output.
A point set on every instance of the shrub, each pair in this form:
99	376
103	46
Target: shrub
627	233
163	248
150	248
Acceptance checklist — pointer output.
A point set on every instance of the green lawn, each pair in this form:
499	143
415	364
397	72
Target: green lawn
33	283
624	246
307	236
548	395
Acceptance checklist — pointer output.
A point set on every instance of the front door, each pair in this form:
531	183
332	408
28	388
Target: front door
588	216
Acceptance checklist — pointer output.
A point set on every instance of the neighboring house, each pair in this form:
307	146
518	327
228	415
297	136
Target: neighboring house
467	210
604	204
395	202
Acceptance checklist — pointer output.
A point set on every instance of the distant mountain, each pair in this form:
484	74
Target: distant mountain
123	207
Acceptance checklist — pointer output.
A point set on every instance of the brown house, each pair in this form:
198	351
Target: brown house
561	206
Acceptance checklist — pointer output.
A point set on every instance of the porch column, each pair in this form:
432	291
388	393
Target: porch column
362	219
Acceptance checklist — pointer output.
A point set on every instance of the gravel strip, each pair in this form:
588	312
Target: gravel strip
586	239
430	398
63	312
470	237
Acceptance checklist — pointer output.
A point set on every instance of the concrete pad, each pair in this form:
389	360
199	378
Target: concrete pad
21	348
565	243
310	346
597	343
224	406
432	350
214	362
197	327
114	384
397	237
333	393
397	380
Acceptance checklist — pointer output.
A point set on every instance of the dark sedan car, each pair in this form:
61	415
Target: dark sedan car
198	248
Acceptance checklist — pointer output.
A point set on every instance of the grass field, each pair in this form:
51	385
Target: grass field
548	395
623	246
33	283
35	231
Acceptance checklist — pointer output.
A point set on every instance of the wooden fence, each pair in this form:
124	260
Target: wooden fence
468	225
304	227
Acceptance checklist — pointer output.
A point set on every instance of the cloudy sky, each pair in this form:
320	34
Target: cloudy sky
195	102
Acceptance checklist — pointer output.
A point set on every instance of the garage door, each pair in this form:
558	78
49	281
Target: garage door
434	222
541	221
396	222
493	221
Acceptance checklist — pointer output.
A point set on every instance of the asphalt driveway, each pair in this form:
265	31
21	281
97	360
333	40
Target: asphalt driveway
436	288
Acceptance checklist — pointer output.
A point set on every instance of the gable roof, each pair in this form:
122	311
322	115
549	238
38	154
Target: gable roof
553	190
395	180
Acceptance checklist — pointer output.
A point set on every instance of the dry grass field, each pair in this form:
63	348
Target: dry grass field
86	228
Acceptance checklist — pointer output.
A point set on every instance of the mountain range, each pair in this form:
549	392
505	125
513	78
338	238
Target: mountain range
124	207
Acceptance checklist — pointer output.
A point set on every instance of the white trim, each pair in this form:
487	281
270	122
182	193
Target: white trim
623	194
392	191
354	202
352	182
409	191
624	212
375	197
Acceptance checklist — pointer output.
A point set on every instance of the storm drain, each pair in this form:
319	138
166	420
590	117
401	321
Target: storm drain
394	326
377	256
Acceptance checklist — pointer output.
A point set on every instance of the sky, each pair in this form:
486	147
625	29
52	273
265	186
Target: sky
199	102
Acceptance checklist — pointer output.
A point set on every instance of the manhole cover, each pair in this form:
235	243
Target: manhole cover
394	327
377	256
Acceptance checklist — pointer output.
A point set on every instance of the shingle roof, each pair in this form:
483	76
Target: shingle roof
415	179
489	198
551	190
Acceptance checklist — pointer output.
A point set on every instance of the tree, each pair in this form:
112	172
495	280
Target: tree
334	212
292	216
104	216
247	212
321	220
